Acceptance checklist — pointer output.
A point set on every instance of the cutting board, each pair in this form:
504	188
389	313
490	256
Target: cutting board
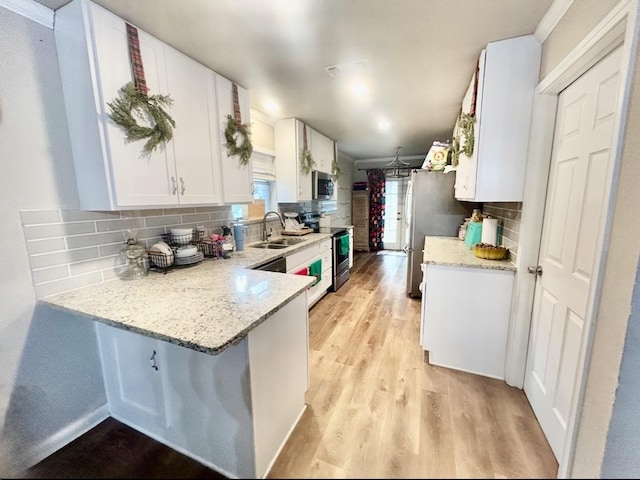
303	231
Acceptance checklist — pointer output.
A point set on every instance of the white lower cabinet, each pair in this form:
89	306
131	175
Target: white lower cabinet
233	411
303	258
465	317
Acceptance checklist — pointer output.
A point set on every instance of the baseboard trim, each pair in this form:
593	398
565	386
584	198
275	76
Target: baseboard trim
62	437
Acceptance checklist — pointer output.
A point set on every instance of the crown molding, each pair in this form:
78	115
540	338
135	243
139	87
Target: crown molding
31	10
258	115
555	13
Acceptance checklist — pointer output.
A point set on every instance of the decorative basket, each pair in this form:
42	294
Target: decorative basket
490	252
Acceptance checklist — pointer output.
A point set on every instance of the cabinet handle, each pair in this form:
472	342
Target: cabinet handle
154	365
174	186
182	186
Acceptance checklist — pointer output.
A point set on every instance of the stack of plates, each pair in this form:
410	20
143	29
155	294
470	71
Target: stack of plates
198	257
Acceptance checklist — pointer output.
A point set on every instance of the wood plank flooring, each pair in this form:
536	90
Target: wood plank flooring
376	408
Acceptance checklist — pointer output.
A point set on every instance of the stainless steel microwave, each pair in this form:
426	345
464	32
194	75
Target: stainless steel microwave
322	185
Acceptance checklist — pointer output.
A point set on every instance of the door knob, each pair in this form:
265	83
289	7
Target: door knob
535	269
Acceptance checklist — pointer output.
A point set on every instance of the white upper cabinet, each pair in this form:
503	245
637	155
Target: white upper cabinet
321	150
195	144
293	185
112	173
237	179
507	77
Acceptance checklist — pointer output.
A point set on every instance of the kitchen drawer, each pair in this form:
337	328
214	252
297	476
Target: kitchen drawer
306	256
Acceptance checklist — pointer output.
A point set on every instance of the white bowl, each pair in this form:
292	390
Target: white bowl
189	251
161	247
181	236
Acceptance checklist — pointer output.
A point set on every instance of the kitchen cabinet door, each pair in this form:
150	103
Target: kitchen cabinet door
507	76
322	151
293	185
195	142
469	335
305	257
111	173
237	179
133	374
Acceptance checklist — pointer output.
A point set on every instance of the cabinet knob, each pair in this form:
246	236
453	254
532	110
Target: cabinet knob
182	186
174	186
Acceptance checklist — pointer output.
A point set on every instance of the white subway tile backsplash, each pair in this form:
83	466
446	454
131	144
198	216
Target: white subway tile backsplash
48	274
69	249
195	218
102	263
110	249
66	284
38	232
157	221
84	215
509	215
45	246
37	217
63	258
109	225
95	239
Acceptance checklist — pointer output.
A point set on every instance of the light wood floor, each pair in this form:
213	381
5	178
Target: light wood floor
376	408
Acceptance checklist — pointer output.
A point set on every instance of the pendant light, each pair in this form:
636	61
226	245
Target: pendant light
397	168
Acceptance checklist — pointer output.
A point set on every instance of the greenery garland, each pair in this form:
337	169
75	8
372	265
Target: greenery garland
467	122
133	105
306	161
234	130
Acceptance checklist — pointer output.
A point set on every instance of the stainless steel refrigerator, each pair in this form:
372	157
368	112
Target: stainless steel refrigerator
432	210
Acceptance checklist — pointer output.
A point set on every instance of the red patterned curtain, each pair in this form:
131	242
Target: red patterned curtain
376	208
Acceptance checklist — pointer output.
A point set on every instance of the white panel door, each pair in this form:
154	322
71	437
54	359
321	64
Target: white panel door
574	217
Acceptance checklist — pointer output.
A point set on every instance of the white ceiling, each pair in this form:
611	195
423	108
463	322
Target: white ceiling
420	55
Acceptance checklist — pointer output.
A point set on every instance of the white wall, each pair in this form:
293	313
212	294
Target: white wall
43	356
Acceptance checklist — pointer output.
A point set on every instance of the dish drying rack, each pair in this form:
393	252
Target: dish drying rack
206	248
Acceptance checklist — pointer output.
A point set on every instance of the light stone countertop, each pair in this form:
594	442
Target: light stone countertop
454	252
206	307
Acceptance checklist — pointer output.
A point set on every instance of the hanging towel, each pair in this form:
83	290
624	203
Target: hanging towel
303	271
344	245
315	270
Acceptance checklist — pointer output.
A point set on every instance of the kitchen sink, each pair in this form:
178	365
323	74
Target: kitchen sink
286	241
273	246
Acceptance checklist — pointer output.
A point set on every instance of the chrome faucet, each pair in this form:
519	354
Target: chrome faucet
265	234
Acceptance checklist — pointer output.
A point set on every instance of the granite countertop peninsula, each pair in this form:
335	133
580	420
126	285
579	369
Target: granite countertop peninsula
206	307
452	251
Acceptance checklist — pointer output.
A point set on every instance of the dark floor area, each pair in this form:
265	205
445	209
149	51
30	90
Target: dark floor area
114	450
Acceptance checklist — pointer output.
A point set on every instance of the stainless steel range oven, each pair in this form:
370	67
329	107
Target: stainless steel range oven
340	257
340	247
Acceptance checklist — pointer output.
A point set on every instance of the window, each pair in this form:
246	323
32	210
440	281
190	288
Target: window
263	184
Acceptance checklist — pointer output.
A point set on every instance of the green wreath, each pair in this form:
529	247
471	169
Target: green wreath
335	168
132	105
455	151
467	122
234	130
306	161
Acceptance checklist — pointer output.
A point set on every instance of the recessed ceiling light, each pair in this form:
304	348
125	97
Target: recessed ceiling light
360	90
271	107
384	125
